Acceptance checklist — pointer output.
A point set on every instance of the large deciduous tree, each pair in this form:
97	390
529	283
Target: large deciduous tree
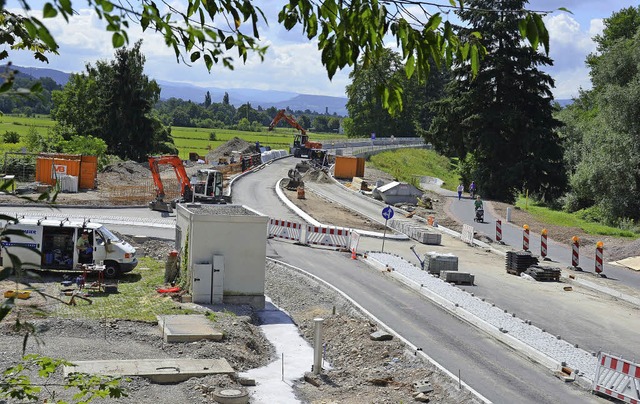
366	104
602	131
113	101
501	123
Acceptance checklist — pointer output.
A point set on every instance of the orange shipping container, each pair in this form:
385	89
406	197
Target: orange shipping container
348	167
83	167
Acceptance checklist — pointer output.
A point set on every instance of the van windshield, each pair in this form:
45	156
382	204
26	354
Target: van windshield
108	235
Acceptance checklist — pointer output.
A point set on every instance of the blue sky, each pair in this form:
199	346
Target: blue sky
293	63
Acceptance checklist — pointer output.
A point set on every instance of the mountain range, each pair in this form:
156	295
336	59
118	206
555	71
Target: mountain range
237	96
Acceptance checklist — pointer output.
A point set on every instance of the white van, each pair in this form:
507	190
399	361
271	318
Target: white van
53	245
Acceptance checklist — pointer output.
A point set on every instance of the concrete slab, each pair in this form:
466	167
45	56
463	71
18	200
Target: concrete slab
631	262
158	370
187	328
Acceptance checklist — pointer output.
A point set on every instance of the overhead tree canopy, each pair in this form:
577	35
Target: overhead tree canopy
345	30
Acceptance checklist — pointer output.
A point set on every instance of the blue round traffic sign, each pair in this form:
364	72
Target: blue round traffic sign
387	213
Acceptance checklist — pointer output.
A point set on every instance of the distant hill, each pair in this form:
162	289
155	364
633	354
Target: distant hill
237	96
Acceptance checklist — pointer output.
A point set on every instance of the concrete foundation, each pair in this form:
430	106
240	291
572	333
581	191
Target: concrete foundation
187	328
158	370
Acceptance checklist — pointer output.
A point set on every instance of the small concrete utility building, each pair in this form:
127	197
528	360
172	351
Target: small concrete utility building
226	248
399	192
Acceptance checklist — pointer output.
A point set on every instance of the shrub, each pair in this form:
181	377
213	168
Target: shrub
212	136
11	137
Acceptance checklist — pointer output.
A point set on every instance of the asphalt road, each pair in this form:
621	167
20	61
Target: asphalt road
494	370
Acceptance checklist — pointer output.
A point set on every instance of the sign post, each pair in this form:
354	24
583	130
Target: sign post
387	213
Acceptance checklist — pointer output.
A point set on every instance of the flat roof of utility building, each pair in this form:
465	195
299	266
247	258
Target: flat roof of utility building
220	209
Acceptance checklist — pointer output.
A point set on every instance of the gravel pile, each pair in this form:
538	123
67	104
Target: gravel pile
552	346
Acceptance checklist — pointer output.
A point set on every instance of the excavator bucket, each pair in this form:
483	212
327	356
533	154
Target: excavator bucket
160	206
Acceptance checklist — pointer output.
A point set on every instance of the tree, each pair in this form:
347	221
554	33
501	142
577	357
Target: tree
601	132
113	102
366	106
225	98
345	32
500	123
207	99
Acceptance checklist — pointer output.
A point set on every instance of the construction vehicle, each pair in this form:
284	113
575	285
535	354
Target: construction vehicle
206	185
302	147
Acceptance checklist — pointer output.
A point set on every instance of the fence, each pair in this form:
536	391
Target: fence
22	165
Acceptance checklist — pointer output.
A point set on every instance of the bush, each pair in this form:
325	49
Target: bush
212	136
11	137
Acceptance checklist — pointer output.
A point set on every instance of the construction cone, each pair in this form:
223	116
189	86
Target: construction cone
353	254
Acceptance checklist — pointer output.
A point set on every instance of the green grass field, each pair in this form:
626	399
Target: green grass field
186	139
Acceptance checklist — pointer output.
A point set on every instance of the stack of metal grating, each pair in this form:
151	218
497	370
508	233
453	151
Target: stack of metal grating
518	261
541	273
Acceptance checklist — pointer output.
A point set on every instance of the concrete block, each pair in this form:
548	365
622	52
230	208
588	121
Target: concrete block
457	277
436	263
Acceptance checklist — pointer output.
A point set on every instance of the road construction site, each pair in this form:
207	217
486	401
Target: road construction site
583	320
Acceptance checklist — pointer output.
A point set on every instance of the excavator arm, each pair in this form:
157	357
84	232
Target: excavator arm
300	139
185	185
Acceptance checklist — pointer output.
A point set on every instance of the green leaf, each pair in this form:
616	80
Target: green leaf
195	56
48	11
410	65
532	32
117	39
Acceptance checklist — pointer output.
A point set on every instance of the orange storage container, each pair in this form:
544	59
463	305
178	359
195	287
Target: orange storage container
348	167
83	167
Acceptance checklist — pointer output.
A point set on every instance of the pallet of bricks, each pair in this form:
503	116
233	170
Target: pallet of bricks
540	273
517	262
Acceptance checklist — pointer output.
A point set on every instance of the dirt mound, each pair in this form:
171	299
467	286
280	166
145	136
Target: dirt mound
123	173
316	176
234	145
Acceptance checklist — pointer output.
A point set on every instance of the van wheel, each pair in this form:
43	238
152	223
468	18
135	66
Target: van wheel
111	270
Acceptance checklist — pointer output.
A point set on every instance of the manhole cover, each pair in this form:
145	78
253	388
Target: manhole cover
231	396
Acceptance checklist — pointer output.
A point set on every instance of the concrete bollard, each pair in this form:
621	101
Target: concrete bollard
317	345
508	215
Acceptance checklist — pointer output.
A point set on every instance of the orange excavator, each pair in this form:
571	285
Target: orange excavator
206	187
302	147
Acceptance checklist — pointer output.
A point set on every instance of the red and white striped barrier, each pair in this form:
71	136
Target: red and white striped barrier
284	229
525	237
328	236
575	252
599	253
617	378
543	243
498	230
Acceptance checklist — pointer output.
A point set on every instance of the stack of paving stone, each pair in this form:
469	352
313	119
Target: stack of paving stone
518	261
416	231
542	274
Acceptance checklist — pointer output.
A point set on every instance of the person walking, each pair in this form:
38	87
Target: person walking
472	189
460	190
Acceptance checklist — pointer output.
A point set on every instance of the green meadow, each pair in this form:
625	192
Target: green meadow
187	140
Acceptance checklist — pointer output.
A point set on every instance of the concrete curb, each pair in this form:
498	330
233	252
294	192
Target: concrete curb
390	330
461	313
